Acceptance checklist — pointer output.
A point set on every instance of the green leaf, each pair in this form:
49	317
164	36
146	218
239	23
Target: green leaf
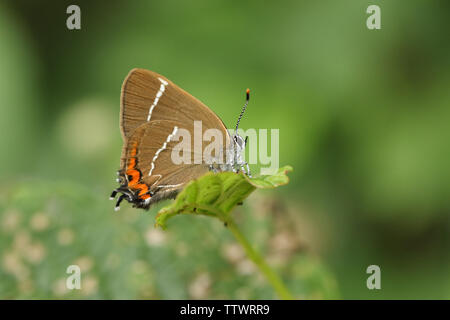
272	181
217	194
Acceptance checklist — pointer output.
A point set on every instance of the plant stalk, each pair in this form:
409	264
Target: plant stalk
268	272
274	280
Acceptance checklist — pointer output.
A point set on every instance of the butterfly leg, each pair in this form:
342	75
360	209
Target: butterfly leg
213	168
243	167
117	207
113	195
248	170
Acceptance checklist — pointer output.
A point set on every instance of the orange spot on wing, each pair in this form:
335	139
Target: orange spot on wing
131	164
135	176
131	171
145	196
143	187
132	160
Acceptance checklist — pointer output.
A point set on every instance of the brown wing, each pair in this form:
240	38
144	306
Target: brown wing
148	96
149	157
152	107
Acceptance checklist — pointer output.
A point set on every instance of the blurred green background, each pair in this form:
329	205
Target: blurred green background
363	118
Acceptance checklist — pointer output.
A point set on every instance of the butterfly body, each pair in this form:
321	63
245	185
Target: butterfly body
154	115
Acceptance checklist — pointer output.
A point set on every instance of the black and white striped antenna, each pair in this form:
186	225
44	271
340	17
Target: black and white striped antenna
243	109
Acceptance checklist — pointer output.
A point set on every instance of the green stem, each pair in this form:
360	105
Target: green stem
270	275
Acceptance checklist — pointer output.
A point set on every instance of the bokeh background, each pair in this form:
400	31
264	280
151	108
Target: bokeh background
363	118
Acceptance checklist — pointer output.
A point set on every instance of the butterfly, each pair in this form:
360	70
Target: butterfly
154	112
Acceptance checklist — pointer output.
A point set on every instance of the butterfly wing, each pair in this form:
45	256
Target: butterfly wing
148	96
154	111
152	150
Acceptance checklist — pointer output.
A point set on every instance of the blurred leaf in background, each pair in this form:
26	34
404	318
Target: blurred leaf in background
19	93
48	226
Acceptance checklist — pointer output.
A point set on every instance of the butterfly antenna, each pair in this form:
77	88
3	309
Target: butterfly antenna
243	109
